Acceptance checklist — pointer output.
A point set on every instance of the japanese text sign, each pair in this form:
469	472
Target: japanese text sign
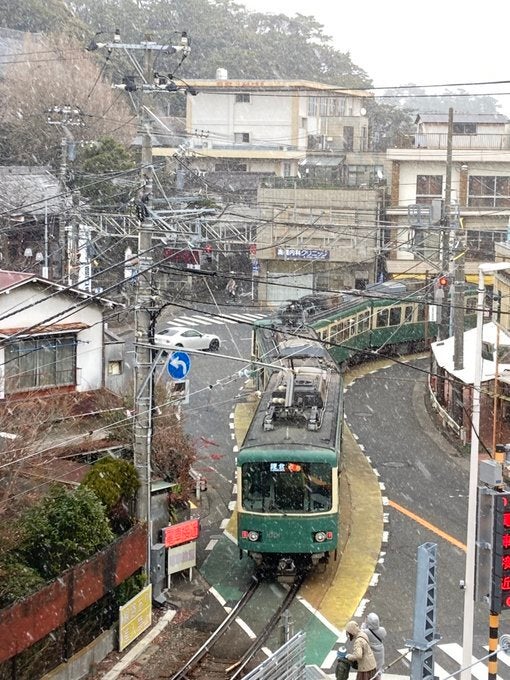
500	591
184	532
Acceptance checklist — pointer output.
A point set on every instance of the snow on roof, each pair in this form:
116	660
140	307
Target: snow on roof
443	352
30	190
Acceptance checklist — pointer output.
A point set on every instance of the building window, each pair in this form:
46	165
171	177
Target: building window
348	138
243	98
428	187
242	137
480	244
286	168
489	192
303	122
115	367
48	361
464	128
230	166
312	106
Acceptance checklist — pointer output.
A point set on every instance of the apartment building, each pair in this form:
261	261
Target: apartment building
300	151
480	192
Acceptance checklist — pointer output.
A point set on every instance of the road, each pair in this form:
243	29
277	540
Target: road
421	473
422	476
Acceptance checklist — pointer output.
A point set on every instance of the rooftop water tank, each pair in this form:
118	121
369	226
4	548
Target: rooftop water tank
221	74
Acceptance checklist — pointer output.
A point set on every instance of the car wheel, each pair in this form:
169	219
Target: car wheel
214	345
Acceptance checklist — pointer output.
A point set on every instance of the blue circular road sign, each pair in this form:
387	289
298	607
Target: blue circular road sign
178	365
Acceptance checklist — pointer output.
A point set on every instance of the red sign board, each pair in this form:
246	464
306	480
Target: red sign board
500	595
182	256
184	532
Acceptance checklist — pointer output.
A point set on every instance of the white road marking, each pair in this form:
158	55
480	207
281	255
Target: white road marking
211	544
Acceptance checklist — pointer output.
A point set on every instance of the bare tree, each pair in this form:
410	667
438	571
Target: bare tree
56	72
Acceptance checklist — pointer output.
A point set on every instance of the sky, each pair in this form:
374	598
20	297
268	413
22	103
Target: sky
398	42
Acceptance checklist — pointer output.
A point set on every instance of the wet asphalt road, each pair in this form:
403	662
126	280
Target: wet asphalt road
423	473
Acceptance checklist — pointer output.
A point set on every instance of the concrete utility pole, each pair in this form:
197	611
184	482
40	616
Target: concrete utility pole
145	303
444	324
65	117
143	306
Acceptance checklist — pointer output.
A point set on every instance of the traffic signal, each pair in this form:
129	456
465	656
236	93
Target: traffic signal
443	281
208	252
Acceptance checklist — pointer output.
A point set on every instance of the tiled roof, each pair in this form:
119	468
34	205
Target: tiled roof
28	190
9	279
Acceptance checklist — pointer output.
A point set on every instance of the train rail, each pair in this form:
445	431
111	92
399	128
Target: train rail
237	669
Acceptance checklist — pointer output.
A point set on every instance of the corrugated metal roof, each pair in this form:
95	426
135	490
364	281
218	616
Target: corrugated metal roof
322	161
44	329
462	118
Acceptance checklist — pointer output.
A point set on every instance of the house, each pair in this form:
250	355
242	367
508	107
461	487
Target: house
453	393
51	338
480	192
33	206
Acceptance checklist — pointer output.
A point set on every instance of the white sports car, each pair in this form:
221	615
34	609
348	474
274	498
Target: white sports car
177	337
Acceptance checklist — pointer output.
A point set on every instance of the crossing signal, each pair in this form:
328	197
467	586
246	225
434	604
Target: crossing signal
442	281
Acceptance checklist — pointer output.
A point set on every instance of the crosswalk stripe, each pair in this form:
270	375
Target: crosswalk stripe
439	671
199	320
242	317
180	320
454	650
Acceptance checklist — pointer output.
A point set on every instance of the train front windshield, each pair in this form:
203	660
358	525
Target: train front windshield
287	487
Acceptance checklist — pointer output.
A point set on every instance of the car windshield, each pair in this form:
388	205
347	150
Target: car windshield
286	487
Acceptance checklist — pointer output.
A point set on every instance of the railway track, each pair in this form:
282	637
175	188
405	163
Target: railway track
216	668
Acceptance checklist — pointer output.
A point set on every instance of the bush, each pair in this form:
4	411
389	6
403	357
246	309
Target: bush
112	480
17	580
64	529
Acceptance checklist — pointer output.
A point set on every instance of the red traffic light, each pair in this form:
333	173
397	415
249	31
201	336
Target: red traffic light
442	281
208	248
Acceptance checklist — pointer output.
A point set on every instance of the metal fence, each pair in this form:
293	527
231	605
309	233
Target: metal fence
287	663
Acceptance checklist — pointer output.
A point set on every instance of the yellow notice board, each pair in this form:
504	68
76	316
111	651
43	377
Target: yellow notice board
134	617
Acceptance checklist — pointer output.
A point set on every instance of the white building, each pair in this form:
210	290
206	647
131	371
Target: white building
480	192
51	338
268	126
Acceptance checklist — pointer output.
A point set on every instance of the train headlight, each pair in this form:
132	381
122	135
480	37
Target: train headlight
320	536
252	536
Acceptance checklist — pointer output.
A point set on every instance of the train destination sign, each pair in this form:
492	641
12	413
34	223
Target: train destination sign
500	591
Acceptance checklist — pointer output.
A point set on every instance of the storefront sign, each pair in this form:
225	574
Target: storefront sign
302	254
184	532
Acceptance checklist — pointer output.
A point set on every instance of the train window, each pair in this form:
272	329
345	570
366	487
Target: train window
408	313
352	327
421	312
395	316
381	320
363	321
286	487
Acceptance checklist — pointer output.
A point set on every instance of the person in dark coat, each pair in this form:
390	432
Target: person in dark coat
361	654
375	634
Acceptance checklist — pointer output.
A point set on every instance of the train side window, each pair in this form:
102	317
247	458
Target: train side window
471	304
352	327
381	320
363	321
395	316
408	313
421	312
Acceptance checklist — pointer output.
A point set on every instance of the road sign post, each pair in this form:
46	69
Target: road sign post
178	365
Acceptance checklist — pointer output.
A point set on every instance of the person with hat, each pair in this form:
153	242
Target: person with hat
361	656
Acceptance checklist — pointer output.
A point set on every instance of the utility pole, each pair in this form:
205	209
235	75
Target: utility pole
65	117
145	303
444	324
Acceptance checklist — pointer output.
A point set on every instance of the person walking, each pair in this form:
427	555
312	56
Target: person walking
360	656
375	634
232	289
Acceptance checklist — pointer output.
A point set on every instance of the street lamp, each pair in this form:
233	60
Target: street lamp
469	585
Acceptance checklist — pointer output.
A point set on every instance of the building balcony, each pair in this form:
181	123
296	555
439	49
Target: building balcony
439	140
